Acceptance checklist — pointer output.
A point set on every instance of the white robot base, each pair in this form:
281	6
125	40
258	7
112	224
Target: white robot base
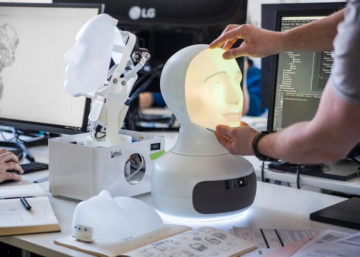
81	168
203	187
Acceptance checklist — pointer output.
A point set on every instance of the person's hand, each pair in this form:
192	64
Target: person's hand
236	140
257	42
9	161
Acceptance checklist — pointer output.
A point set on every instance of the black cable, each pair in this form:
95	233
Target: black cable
298	176
354	159
144	85
262	172
358	162
140	89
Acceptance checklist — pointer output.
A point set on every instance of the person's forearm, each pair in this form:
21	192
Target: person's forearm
297	144
314	36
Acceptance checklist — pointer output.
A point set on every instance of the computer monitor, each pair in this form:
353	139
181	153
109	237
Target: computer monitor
298	78
297	83
268	18
33	41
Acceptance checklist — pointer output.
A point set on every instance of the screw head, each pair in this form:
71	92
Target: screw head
123	83
115	81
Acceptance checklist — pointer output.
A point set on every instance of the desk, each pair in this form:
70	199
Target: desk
274	207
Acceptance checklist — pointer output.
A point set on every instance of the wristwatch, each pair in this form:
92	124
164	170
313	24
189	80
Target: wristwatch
255	148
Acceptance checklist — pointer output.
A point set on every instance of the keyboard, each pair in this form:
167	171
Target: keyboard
29	168
34	166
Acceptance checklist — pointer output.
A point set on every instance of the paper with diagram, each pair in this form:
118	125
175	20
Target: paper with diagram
205	241
268	240
331	243
169	240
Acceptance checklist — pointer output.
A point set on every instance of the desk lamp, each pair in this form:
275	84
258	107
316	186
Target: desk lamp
87	74
198	178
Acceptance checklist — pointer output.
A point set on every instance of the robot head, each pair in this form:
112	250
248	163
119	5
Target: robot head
88	61
202	89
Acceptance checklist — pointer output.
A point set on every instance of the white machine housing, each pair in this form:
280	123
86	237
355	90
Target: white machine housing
198	178
79	168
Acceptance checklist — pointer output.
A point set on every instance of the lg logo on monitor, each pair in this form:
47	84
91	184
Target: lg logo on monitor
137	12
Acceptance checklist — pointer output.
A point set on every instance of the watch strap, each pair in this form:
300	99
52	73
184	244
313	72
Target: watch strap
255	147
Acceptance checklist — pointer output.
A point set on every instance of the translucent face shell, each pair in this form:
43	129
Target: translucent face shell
88	61
212	90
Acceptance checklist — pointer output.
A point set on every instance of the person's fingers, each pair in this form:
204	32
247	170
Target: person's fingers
12	166
11	176
244	124
242	50
231	35
8	157
227	46
225	141
3	150
227	29
225	130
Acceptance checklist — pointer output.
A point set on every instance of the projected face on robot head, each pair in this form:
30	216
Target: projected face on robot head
212	90
9	41
88	61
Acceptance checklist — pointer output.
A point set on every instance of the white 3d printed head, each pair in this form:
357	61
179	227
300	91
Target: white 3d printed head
88	61
113	219
204	89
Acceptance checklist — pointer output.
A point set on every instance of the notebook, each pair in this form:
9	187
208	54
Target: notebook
15	219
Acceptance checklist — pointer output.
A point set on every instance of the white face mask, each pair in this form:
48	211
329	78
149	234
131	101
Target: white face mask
89	60
212	90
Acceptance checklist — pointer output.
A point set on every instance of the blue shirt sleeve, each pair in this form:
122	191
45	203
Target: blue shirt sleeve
254	87
158	100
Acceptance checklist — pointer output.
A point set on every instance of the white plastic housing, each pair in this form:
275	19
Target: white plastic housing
175	177
80	169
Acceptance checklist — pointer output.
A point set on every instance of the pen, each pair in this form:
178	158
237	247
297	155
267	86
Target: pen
25	203
18	197
211	130
41	180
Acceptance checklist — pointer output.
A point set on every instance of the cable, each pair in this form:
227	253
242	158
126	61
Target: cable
135	172
262	172
140	89
358	162
298	176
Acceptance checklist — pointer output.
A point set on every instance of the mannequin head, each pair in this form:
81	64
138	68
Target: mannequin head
88	61
202	89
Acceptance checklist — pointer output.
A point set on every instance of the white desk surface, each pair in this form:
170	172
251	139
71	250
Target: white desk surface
274	207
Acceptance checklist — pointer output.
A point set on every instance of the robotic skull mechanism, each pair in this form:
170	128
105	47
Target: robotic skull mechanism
83	165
